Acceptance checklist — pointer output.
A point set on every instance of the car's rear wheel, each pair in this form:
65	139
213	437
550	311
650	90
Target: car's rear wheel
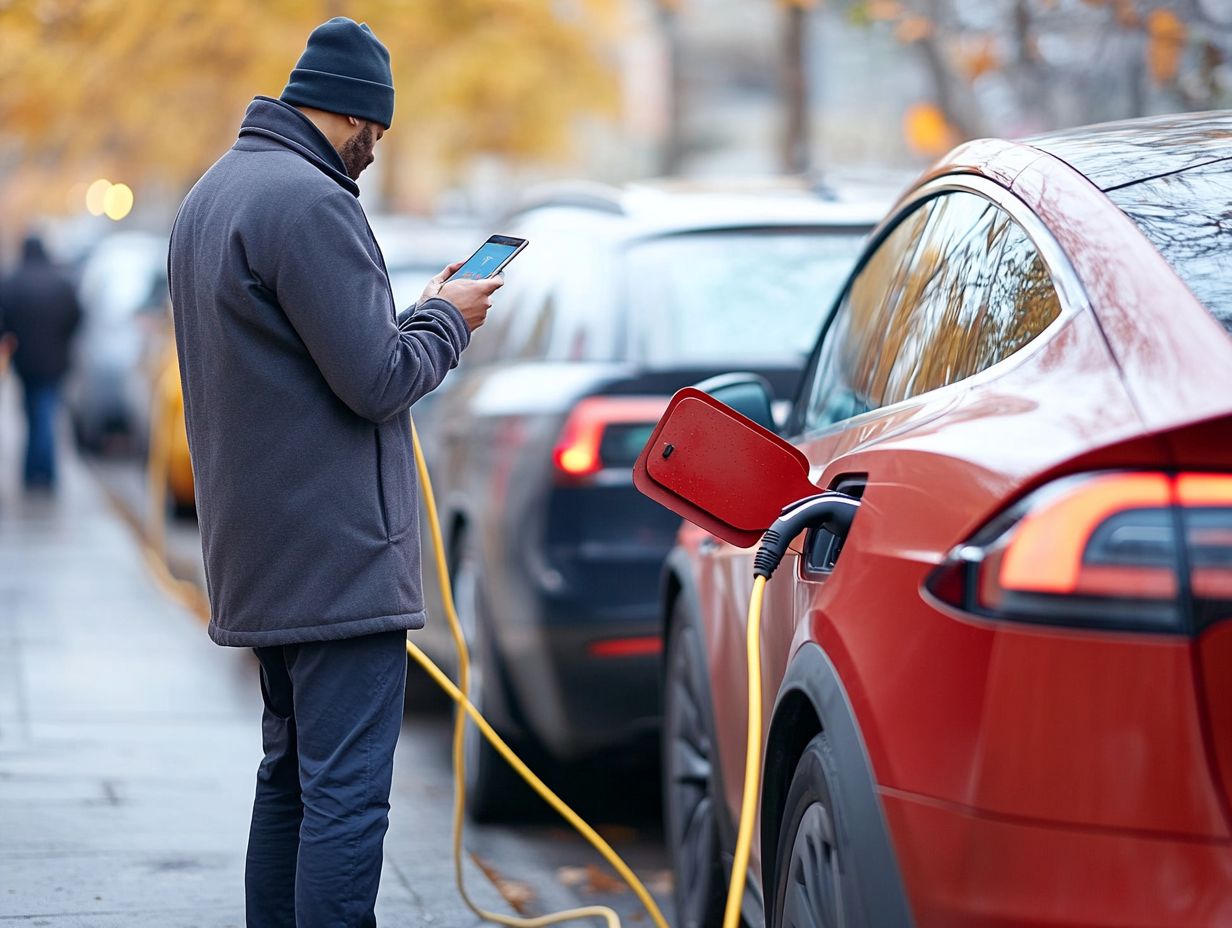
493	790
814	881
691	802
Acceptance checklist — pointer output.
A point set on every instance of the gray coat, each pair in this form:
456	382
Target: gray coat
297	379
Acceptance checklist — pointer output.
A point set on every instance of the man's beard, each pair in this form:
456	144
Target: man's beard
357	151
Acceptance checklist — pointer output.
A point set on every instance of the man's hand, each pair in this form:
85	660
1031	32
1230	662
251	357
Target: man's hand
472	297
434	285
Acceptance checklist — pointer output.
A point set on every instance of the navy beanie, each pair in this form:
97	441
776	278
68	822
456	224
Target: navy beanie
344	69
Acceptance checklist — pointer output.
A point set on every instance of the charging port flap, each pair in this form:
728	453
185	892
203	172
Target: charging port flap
719	469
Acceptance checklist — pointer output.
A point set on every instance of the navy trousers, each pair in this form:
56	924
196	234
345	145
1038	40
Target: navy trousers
332	714
41	400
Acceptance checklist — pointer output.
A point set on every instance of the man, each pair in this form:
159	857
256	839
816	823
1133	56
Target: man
297	380
39	313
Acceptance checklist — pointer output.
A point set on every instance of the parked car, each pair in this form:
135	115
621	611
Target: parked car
167	413
123	295
1005	697
622	297
417	249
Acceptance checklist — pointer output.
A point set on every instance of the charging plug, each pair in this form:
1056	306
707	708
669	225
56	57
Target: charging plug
831	511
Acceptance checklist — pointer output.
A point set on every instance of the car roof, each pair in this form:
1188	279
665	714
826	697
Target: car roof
1115	154
651	208
409	242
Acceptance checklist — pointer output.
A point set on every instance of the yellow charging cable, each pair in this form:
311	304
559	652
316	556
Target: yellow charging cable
458	694
752	759
153	548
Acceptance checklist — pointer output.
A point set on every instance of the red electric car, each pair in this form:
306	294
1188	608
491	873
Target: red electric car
1005	696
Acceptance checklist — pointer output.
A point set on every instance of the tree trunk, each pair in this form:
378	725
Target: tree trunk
797	143
945	91
671	158
943	88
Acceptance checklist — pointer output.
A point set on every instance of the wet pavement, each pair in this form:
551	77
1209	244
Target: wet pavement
129	743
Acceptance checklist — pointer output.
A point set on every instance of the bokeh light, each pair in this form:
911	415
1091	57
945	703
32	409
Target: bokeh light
95	194
118	201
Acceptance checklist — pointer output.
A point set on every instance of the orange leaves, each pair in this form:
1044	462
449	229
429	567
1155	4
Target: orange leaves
978	55
156	88
927	131
914	28
1166	38
1126	13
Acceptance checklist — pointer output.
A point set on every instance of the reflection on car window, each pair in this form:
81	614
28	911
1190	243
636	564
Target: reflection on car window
1188	218
1022	302
849	358
735	297
956	287
943	298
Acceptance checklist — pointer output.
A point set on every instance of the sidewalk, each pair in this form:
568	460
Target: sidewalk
129	742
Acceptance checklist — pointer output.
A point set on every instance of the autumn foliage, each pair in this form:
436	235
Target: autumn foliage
153	90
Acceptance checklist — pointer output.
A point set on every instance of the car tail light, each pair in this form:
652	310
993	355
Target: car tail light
604	431
1205	501
641	646
1131	551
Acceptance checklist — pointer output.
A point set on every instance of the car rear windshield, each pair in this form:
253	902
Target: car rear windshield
1188	218
742	297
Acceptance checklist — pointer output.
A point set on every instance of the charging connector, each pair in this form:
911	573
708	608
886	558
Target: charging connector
832	511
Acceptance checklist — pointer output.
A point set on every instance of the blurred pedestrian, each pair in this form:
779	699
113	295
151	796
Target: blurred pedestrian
39	313
298	374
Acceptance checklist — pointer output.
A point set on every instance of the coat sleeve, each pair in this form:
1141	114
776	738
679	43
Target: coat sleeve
337	297
405	316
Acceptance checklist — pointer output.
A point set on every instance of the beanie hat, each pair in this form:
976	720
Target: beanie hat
344	69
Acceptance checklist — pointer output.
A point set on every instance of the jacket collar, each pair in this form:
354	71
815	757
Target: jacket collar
285	126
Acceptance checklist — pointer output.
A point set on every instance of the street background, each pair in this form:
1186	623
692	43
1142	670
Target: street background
128	742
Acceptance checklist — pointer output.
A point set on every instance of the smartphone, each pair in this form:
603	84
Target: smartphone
490	259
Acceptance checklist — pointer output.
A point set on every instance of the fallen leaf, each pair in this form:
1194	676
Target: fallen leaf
518	895
600	881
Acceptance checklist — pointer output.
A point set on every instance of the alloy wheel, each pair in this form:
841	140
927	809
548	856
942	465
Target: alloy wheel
691	809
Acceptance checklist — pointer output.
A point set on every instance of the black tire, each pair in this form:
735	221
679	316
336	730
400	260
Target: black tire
815	884
494	792
691	801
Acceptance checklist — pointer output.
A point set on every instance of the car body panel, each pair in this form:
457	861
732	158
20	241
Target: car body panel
965	869
1117	153
1146	312
1029	774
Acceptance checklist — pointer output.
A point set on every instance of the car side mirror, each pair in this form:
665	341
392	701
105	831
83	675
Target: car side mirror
748	394
720	470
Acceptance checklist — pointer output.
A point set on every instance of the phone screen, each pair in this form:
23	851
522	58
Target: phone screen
483	263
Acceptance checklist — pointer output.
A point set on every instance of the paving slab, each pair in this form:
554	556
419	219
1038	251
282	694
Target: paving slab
129	742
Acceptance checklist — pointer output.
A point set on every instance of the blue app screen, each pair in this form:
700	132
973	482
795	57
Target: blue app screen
484	262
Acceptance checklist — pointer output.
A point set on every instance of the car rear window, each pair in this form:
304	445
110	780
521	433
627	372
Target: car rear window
1188	218
736	297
